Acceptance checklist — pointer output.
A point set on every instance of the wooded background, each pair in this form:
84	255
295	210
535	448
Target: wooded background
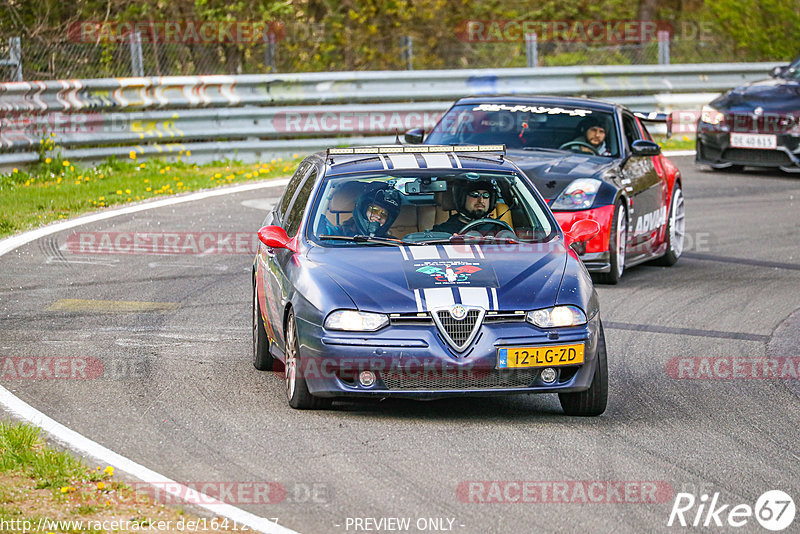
331	35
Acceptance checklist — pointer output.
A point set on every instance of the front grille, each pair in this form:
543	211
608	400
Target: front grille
458	331
420	318
757	156
464	380
504	317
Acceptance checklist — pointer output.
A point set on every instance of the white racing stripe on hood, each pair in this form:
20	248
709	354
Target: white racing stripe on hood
458	251
474	296
404	161
425	252
439	297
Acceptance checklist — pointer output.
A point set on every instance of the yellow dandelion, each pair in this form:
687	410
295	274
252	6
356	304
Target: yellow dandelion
47	160
58	180
295	156
101	175
161	171
188	152
109	471
15	171
65	163
142	166
119	191
108	503
101	485
132	154
167	168
149	189
128	191
146	181
218	175
27	182
248	175
101	198
72	168
129	199
180	184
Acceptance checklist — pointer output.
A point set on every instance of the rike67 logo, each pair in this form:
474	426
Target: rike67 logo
774	510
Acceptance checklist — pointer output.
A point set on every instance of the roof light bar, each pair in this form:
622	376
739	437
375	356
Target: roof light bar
415	149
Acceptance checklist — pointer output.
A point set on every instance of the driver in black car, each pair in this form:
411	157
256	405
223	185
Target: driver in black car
592	138
473	201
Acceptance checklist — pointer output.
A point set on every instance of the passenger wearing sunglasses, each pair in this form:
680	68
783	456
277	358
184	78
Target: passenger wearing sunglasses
473	201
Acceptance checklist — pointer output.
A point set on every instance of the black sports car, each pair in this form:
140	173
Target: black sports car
590	160
757	124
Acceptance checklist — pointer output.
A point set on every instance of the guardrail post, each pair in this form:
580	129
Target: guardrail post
663	48
15	57
269	53
137	67
532	49
409	53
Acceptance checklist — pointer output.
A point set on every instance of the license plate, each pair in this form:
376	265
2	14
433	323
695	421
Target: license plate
740	140
541	356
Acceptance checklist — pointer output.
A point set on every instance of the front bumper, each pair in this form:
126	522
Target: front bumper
412	361
596	256
714	149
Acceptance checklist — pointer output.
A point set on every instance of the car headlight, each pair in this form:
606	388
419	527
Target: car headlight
557	316
355	321
578	195
711	116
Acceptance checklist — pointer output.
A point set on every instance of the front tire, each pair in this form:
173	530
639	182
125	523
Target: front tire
617	244
296	387
594	400
676	229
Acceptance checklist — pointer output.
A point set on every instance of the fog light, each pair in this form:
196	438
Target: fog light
549	375
366	378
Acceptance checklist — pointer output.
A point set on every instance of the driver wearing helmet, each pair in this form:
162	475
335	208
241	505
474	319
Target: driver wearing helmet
473	201
374	212
592	134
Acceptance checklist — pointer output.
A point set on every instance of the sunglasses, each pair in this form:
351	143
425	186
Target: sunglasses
476	194
377	211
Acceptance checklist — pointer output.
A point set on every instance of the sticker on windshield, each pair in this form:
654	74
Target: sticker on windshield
577	112
422	274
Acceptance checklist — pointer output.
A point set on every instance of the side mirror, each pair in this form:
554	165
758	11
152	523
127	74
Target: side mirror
778	71
275	237
581	232
414	136
645	148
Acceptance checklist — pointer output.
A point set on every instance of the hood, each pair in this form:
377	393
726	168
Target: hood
776	95
419	278
551	173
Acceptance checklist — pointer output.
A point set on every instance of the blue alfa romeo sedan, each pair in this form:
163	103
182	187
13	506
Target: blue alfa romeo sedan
424	272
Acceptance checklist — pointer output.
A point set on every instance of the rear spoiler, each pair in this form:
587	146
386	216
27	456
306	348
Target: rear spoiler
655	116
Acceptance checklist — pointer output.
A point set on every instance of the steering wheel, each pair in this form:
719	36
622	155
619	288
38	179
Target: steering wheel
474	224
578	143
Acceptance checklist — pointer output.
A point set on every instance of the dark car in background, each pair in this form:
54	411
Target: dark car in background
625	184
756	124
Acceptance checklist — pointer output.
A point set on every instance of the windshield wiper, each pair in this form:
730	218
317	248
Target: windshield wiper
558	150
365	239
458	238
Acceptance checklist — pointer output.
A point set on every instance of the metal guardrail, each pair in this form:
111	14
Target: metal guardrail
255	116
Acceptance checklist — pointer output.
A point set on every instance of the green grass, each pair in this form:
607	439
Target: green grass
22	450
58	189
676	142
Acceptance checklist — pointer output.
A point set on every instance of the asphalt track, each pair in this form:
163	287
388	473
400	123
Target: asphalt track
179	393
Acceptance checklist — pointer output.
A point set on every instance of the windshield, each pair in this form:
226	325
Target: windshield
421	207
528	126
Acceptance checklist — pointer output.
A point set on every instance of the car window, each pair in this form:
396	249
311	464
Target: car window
295	214
419	206
522	126
630	130
291	188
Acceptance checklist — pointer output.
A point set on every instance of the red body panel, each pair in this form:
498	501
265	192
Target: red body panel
603	216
